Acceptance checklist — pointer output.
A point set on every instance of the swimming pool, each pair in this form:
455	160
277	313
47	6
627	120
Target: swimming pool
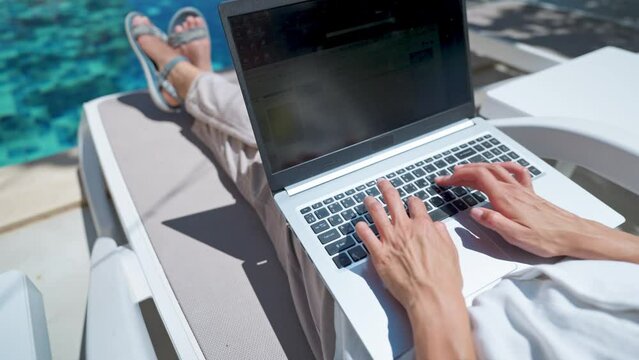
57	54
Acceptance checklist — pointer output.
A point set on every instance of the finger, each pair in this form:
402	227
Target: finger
521	173
497	222
393	201
378	214
474	177
501	173
373	244
417	209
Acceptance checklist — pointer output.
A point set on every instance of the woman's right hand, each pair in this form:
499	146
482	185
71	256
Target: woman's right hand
520	216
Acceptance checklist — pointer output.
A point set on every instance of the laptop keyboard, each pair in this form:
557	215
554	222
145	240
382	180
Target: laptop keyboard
333	219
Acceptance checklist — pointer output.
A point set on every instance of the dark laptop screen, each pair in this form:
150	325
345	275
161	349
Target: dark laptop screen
325	74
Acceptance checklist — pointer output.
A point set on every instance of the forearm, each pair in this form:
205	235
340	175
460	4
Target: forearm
441	328
599	242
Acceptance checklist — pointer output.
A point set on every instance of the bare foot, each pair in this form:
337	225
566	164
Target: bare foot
197	51
160	52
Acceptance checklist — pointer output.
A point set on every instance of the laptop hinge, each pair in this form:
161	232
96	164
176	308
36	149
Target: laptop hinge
375	158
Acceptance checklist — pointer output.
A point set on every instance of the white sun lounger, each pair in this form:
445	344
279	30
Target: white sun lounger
191	245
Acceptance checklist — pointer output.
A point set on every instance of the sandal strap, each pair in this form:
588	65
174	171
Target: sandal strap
145	29
164	74
185	37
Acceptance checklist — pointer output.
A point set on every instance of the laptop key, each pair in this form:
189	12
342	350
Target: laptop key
496	151
465	153
479	196
504	148
419	173
523	162
356	220
447	196
488	155
450	159
419	163
340	245
430	168
391	175
370	183
357	253
494	141
437	201
487	145
477	159
342	260
361	188
317	205
410	167
460	205
335	208
322	213
359	197
505	158
335	220
410	188
350	192
408	177
534	171
449	209
440	164
437	215
349	214
513	155
400	171
478	147
346	229
328	236
348	202
470	200
339	196
328	201
397	182
372	191
310	218
360	209
306	210
421	195
421	183
459	191
320	227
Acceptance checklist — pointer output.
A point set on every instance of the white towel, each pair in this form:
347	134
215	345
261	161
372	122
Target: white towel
576	309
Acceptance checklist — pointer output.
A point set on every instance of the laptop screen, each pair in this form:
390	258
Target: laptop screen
326	74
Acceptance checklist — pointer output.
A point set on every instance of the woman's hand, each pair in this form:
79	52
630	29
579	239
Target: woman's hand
414	256
532	223
418	262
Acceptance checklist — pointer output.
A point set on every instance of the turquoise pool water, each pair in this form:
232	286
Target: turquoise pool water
57	54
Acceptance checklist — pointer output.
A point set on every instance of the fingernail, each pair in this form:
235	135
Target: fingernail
442	178
476	212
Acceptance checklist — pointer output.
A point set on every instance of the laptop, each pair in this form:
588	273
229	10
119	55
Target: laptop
341	93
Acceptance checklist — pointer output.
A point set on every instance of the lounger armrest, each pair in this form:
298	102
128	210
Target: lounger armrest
607	151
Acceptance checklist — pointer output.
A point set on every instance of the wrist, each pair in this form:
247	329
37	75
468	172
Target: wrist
441	326
599	242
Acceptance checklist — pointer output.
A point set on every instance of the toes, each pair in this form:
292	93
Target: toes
179	28
190	20
199	22
139	20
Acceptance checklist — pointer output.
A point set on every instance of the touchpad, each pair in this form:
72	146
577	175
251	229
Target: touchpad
482	262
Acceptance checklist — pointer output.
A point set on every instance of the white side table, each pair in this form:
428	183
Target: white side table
587	109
